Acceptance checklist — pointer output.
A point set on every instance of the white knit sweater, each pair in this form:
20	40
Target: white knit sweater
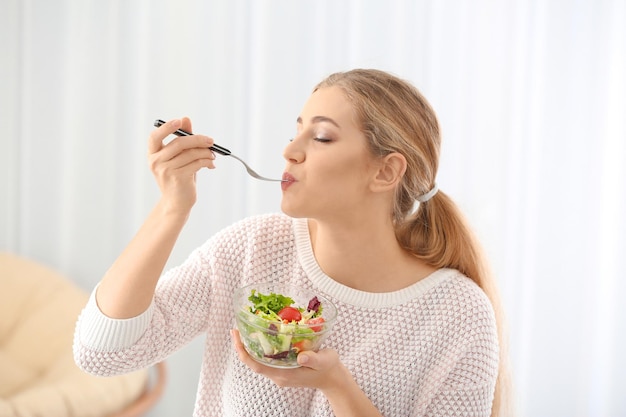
430	349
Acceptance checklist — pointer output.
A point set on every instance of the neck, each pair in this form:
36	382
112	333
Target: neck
365	258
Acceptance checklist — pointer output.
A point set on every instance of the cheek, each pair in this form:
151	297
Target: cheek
342	167
340	182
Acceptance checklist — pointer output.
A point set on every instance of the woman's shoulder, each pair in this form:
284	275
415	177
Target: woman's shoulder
458	289
459	299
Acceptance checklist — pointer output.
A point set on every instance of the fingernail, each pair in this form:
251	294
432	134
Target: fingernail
302	359
175	123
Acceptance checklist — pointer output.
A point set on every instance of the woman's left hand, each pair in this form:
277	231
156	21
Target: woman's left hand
322	370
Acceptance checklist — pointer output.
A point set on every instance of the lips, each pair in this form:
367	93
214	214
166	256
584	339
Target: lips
288	180
287	177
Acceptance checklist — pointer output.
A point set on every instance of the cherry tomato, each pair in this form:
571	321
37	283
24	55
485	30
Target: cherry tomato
316	320
290	314
302	345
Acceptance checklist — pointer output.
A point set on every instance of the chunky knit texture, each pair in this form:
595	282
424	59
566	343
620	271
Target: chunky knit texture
427	350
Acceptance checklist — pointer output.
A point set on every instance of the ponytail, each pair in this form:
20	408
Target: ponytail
396	117
438	233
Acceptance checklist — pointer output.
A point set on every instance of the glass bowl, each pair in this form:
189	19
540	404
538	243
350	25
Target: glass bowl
274	335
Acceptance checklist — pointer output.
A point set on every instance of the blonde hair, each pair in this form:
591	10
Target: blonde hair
395	117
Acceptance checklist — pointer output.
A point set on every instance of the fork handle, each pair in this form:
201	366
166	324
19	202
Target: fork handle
180	132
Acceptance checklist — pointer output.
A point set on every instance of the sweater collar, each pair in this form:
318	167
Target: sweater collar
353	296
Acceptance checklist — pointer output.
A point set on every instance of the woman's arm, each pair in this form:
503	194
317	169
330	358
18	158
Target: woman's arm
347	399
127	288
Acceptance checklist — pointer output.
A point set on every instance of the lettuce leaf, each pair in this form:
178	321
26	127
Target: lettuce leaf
268	303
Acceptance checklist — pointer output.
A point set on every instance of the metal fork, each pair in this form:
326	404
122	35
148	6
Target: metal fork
222	151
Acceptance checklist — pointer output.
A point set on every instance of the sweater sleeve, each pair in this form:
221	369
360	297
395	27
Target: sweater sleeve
190	299
467	386
468	389
178	313
97	331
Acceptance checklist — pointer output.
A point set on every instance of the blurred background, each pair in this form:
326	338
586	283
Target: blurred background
531	96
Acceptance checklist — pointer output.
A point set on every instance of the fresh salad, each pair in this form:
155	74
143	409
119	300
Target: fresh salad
275	331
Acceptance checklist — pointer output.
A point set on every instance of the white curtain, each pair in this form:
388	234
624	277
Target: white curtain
531	96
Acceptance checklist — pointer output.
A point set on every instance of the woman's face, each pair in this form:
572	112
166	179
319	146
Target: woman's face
329	166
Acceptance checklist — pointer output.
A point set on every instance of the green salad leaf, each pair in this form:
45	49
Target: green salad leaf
268	303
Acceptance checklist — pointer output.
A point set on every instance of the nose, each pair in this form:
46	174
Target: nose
293	152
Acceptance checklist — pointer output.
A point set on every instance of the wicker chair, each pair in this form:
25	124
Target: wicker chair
38	376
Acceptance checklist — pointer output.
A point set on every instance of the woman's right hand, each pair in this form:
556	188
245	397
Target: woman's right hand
175	164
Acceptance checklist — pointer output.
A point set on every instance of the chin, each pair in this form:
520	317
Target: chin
291	211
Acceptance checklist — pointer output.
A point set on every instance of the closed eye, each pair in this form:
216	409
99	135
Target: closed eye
322	140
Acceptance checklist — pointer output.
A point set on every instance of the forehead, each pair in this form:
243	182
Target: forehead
330	102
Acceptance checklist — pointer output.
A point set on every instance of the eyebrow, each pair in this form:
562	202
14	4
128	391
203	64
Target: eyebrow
319	119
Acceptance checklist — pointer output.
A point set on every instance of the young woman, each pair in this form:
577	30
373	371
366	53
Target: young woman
364	224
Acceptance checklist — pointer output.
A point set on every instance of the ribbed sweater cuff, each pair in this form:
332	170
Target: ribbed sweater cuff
105	334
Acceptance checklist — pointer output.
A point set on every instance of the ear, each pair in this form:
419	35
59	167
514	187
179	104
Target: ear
390	172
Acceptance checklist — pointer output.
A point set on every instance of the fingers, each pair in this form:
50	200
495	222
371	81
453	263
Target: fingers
184	143
310	359
174	165
241	352
183	167
234	336
281	377
155	141
185	124
313	373
183	152
240	349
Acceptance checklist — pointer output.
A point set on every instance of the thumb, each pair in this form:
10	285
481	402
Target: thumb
308	359
319	360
